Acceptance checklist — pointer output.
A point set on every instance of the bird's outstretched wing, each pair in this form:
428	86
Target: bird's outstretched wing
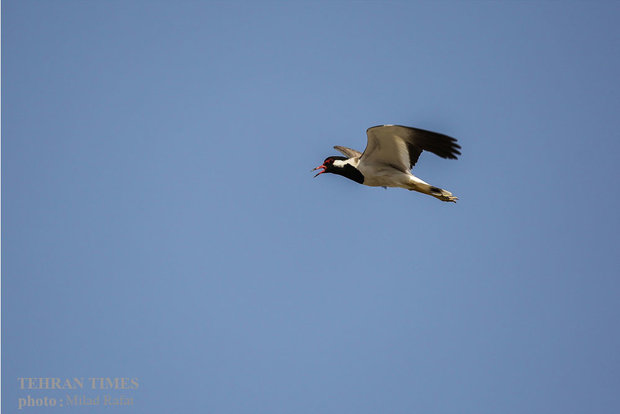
349	152
401	146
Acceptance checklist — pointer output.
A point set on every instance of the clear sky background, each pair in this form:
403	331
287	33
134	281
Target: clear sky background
160	220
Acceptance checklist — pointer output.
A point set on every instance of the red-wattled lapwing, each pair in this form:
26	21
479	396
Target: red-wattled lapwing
391	152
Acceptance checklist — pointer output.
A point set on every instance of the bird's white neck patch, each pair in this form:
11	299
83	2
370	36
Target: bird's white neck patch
351	161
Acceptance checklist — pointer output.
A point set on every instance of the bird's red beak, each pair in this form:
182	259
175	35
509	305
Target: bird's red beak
320	166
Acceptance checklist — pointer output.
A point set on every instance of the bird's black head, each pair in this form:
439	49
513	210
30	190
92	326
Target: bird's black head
344	169
328	165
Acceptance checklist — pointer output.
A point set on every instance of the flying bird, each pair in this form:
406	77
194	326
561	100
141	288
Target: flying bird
391	152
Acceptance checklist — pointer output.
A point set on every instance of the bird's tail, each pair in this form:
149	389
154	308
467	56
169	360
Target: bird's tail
418	185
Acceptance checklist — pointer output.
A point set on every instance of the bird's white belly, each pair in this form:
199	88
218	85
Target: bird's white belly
387	177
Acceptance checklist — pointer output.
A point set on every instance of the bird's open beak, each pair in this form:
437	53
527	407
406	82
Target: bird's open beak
320	166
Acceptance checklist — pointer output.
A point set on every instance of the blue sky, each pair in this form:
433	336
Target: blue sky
160	221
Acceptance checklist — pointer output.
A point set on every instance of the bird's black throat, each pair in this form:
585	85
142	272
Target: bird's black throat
350	172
